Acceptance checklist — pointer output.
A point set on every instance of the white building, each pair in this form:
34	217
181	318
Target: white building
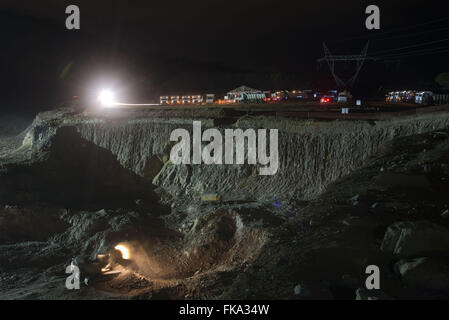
245	94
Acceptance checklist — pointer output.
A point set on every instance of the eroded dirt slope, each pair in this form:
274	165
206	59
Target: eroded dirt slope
72	189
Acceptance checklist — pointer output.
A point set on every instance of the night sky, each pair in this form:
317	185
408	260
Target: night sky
145	48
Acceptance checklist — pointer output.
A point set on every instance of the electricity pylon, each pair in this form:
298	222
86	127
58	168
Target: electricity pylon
332	59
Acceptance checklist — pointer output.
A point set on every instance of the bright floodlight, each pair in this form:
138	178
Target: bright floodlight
107	98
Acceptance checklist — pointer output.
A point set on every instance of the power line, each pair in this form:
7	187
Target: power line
396	30
417	53
416	25
412	35
421	54
414	46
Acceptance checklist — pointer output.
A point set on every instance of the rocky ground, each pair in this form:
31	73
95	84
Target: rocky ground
392	213
78	202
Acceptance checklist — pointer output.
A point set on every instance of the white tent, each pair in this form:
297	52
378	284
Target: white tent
246	94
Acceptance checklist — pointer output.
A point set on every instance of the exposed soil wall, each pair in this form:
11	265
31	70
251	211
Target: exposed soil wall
311	154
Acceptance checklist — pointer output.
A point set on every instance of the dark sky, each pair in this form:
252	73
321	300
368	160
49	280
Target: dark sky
147	48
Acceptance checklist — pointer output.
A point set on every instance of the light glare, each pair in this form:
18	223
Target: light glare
123	250
107	98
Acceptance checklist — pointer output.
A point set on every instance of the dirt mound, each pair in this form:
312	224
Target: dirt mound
218	241
72	172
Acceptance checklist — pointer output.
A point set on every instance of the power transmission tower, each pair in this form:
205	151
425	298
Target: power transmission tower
332	59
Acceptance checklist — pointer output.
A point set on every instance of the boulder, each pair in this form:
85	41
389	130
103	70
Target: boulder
424	273
416	239
301	290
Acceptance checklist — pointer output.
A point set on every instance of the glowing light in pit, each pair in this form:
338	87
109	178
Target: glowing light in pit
124	251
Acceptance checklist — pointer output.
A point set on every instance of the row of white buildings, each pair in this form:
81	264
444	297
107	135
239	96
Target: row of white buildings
241	94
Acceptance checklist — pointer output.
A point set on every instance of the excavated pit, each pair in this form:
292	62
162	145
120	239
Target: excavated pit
77	185
75	195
